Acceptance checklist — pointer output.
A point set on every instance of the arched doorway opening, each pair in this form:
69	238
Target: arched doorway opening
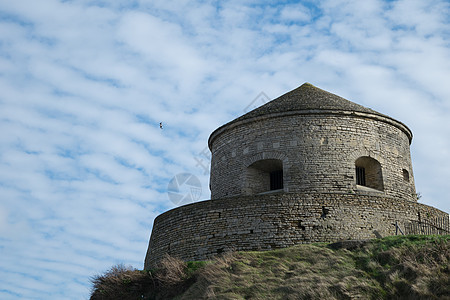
264	176
368	173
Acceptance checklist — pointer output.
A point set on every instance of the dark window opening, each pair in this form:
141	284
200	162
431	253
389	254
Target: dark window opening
405	175
360	176
276	180
302	227
324	212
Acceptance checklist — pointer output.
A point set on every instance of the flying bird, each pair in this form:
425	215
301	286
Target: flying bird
161	125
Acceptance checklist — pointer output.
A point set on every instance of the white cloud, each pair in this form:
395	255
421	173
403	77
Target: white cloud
295	13
84	166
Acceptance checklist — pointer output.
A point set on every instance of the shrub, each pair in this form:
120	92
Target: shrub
171	271
122	282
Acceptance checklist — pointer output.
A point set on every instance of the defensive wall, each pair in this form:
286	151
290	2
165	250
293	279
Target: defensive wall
201	230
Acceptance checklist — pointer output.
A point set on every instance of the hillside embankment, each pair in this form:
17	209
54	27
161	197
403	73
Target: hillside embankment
399	267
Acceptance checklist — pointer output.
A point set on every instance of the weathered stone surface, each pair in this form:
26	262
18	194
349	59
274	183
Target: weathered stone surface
314	141
264	222
318	143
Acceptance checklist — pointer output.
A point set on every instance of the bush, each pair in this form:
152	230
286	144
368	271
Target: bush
172	277
171	271
122	282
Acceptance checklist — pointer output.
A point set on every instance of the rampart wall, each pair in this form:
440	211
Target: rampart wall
201	230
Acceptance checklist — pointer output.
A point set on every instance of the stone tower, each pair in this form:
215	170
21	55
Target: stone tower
306	167
311	141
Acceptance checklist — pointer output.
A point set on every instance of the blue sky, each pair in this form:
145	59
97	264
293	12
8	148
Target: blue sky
84	166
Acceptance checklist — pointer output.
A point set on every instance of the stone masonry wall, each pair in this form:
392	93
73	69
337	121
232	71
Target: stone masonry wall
201	230
318	151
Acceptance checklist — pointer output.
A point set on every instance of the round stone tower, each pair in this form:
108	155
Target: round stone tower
306	167
310	140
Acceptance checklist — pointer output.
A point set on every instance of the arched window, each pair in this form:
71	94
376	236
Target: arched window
405	175
264	176
368	173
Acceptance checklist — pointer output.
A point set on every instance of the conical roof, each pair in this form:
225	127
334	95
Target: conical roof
307	97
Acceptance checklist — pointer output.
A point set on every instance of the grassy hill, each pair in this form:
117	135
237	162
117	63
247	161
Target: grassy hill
400	267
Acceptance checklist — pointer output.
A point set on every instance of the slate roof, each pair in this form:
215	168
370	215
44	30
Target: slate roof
307	97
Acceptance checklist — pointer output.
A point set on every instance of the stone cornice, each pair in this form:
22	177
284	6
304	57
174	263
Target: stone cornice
362	115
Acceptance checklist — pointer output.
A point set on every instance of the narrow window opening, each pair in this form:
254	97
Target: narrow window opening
360	176
302	227
405	175
276	180
324	212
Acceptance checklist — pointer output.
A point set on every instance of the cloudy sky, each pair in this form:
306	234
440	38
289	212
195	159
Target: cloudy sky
84	165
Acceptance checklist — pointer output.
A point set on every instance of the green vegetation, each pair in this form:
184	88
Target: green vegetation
400	267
